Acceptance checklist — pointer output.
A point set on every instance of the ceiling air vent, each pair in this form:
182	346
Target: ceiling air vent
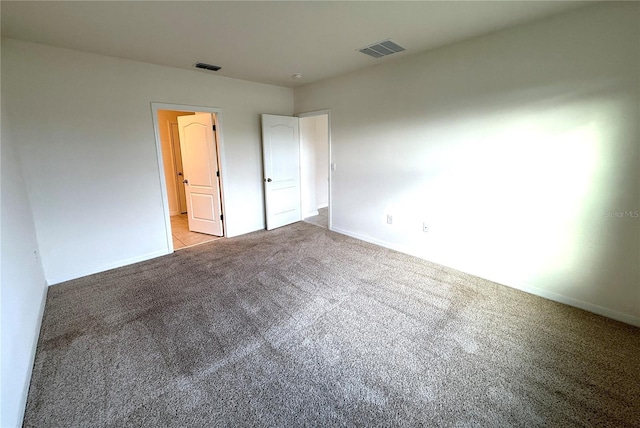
206	66
380	49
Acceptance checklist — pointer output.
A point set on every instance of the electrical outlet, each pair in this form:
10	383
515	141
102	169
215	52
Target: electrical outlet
389	219
425	227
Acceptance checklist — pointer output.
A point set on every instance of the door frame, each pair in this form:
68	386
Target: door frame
324	112
155	106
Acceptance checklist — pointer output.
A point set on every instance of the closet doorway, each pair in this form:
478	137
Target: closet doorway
315	167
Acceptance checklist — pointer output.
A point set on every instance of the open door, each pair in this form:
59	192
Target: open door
281	157
177	161
200	168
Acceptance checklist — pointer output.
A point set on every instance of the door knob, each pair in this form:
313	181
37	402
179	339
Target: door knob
180	174
185	181
268	180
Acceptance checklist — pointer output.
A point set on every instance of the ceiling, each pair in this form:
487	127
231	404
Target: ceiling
264	41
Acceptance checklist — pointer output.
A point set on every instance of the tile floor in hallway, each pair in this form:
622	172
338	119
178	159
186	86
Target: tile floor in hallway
183	237
322	219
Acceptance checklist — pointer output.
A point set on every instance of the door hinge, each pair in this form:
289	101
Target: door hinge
217	173
214	127
221	217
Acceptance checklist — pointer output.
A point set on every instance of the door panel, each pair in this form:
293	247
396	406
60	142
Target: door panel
202	206
281	157
177	157
200	163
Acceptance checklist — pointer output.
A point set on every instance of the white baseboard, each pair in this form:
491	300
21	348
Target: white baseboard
556	297
32	356
589	307
323	205
96	269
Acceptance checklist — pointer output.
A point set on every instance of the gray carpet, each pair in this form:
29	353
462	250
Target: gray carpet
301	326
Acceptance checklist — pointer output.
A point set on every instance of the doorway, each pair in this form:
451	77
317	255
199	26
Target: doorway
191	173
315	167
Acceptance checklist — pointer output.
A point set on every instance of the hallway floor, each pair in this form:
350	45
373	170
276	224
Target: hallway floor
322	219
183	237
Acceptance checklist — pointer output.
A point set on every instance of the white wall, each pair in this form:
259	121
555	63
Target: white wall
314	163
23	287
519	149
308	167
84	130
322	159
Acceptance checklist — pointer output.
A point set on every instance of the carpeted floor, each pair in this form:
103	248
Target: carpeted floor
301	326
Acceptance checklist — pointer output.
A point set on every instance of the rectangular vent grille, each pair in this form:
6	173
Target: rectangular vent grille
380	49
205	66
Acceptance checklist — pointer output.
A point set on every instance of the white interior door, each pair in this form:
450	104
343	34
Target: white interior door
281	157
200	169
177	159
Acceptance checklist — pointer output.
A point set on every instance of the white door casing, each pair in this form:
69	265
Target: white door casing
281	158
200	169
